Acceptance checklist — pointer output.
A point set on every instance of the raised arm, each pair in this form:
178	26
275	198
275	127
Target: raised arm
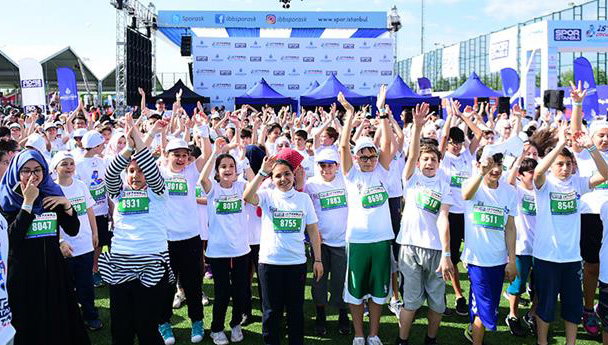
545	163
578	95
420	118
385	142
601	175
512	177
317	136
346	158
250	194
204	176
472	185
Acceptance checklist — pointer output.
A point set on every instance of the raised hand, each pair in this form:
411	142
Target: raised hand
141	92
349	108
577	93
562	133
420	115
268	164
582	139
381	97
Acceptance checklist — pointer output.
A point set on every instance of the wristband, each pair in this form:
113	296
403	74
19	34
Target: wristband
383	117
318	260
446	254
263	173
203	131
27	207
592	148
577	104
382	110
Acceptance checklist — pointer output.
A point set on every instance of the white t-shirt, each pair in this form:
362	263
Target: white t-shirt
485	220
457	170
284	219
558	208
604	248
181	204
394	184
369	217
80	198
308	163
254	223
140	222
330	201
592	201
228	234
525	221
7	331
202	214
92	171
423	197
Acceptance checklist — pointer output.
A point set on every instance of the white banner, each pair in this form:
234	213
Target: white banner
32	83
225	68
503	49
417	68
450	61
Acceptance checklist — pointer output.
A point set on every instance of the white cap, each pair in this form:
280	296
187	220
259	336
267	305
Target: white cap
364	143
177	143
37	142
80	132
48	125
281	140
58	157
597	125
327	156
91	139
14	125
216	116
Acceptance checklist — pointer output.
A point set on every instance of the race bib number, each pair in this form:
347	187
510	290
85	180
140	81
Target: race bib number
228	204
489	217
287	221
458	179
177	186
374	197
563	203
133	202
528	205
428	200
199	191
44	225
98	192
79	204
332	199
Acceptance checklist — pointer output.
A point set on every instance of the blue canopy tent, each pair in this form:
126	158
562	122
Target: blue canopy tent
313	85
472	88
327	93
261	93
399	96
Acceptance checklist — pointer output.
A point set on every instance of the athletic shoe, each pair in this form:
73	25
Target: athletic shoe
198	332
448	311
430	341
462	308
167	333
395	307
591	323
236	334
205	299
94	325
97	281
400	341
515	326
343	322
530	321
219	338
358	341
375	340
178	299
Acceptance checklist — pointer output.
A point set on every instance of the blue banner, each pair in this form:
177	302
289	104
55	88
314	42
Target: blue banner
583	72
68	92
238	19
510	81
425	86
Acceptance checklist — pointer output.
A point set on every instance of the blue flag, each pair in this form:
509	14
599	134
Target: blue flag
584	72
510	81
68	92
424	84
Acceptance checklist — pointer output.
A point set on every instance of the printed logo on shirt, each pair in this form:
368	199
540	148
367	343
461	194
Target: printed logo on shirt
489	217
79	204
287	221
528	205
428	200
133	202
44	225
199	191
458	178
228	204
374	197
177	186
563	203
97	188
332	199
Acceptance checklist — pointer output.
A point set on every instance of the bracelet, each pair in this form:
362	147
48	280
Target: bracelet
577	104
592	148
382	110
446	254
318	260
383	117
27	207
263	173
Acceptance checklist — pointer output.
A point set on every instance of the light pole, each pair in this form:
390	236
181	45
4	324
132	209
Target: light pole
421	26
394	24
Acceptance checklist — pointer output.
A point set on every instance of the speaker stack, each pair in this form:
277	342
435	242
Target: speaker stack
139	66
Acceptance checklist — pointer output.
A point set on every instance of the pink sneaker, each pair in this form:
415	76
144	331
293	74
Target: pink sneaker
591	323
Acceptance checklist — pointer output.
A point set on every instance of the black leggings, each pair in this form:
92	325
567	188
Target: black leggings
254	255
230	279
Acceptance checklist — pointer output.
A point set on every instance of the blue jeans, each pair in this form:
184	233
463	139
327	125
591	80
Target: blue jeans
80	269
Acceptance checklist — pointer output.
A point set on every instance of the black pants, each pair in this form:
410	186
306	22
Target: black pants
185	257
80	268
394	206
135	310
230	279
254	255
283	288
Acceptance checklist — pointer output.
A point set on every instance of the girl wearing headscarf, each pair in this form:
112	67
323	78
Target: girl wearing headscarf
115	146
42	296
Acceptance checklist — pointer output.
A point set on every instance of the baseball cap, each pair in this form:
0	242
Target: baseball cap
159	101
91	139
216	116
364	143
80	132
48	125
58	157
177	143
37	142
327	156
14	125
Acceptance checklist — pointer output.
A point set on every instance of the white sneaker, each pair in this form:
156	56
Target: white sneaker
236	334
205	300
178	299
374	340
219	338
359	341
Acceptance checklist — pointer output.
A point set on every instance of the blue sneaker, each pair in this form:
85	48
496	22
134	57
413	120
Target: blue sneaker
167	333
198	332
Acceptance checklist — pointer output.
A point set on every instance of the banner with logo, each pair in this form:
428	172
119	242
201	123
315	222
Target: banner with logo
510	81
68	92
32	84
583	72
450	61
503	49
225	68
578	35
425	86
253	19
417	68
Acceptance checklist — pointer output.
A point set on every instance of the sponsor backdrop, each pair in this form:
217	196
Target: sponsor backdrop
225	68
503	49
450	61
417	68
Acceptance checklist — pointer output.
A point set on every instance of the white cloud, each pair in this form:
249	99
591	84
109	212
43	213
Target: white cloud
523	9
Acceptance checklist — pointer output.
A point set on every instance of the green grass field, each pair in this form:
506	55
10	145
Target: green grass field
451	331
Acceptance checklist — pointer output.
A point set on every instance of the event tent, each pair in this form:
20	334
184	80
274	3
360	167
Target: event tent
472	88
262	93
327	93
9	72
399	96
188	100
313	85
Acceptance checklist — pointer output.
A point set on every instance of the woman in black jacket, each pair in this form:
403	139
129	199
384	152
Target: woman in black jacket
41	295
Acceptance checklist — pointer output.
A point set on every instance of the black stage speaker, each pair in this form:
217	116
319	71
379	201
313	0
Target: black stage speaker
139	66
186	46
504	105
553	99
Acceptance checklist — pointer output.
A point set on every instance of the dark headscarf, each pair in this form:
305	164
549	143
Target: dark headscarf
10	200
255	155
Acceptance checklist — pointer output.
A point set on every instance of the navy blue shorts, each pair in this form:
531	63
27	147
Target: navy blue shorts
484	294
564	279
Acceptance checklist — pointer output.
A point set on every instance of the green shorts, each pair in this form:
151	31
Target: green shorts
368	272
